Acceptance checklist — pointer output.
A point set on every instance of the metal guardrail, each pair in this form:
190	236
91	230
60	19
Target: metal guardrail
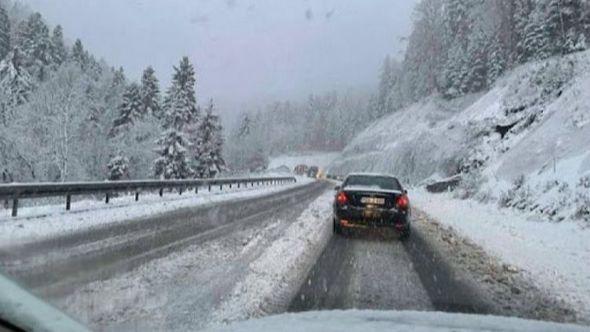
18	191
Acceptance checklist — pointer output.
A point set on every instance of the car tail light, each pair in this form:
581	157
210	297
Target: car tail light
402	202
342	198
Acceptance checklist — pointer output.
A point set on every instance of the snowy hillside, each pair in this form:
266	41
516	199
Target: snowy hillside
524	143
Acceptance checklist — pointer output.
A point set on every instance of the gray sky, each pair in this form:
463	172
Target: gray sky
244	51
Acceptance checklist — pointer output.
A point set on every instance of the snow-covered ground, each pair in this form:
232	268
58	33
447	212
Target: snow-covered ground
554	255
34	223
524	142
320	159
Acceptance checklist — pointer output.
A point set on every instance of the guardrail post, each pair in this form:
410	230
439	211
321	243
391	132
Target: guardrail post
238	184
68	201
196	189
180	191
230	186
161	192
106	199
14	206
137	196
221	187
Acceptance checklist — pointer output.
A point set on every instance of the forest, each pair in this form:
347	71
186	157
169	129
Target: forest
67	116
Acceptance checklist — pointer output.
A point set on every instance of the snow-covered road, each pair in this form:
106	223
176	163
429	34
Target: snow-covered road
193	267
172	269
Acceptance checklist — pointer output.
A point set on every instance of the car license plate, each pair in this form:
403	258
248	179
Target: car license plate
373	200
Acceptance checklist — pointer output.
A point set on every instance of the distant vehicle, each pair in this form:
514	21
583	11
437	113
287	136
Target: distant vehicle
313	172
370	201
301	169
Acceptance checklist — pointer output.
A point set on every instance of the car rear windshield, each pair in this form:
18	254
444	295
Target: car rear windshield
381	182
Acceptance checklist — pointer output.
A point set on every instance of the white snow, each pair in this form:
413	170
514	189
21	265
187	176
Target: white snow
391	321
34	223
319	159
275	277
549	103
555	255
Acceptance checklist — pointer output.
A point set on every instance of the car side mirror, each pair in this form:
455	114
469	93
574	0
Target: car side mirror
405	191
337	188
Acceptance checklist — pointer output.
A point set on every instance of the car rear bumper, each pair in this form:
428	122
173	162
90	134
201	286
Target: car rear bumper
371	217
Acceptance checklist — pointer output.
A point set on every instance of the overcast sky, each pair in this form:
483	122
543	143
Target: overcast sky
243	50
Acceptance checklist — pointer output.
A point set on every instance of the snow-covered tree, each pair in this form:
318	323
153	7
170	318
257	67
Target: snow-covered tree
118	168
15	84
173	161
59	51
180	105
207	150
150	93
180	116
497	61
49	126
476	78
536	39
79	55
245	126
130	109
35	43
521	16
4	33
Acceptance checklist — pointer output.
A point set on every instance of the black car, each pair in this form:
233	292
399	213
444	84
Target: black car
372	200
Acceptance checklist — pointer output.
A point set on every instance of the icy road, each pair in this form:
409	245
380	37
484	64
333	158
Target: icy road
200	266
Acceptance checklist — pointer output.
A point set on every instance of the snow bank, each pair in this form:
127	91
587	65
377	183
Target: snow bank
34	223
275	277
555	255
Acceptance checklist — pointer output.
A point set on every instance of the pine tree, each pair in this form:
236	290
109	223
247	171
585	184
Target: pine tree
119	78
208	148
79	55
35	44
150	93
4	33
497	61
536	40
59	51
173	162
118	168
564	25
476	67
454	72
180	116
522	17
130	109
180	105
